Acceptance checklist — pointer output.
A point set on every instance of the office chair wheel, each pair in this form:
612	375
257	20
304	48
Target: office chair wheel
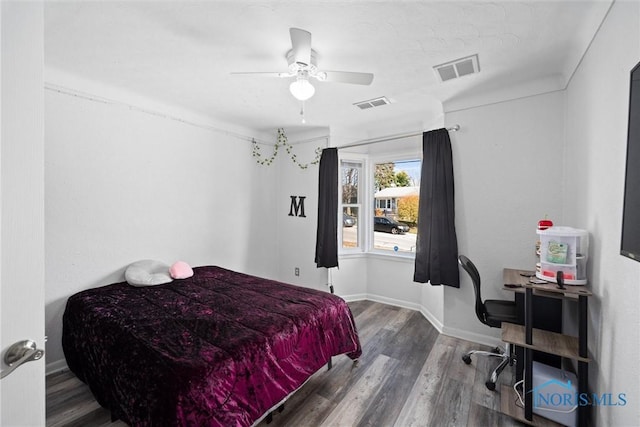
466	359
490	385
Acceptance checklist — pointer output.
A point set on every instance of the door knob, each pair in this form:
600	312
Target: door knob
19	353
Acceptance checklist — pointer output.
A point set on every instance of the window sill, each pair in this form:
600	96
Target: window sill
407	259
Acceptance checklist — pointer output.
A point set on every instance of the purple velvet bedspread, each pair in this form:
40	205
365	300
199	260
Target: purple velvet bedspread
218	349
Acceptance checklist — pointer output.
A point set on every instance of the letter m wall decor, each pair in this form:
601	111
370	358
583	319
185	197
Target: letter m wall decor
297	206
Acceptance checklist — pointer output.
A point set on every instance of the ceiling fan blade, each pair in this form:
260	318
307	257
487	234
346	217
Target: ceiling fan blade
300	45
348	77
265	74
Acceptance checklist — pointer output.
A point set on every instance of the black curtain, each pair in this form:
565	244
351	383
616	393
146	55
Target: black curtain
436	246
327	231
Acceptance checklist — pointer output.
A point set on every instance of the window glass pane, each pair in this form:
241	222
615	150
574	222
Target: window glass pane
350	177
351	219
350	227
396	194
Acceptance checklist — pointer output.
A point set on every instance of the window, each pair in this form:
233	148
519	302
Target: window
379	205
396	196
384	204
351	203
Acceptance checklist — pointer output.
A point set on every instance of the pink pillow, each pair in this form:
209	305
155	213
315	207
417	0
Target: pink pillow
180	270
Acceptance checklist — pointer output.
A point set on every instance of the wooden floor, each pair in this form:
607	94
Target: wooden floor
408	375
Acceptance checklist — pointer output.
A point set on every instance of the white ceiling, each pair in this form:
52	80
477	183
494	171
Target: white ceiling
182	53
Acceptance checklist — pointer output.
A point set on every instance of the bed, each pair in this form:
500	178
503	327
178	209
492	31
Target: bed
220	348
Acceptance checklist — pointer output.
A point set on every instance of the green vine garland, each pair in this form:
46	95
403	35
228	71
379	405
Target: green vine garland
282	141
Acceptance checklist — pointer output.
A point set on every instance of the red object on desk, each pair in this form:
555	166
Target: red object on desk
552	274
543	224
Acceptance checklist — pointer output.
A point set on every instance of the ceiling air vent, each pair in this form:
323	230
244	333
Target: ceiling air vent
458	68
376	102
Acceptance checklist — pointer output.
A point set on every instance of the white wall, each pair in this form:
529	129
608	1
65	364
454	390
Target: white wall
391	280
350	279
508	160
597	114
297	235
388	280
124	185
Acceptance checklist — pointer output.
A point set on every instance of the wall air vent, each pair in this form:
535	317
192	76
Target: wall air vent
457	68
376	102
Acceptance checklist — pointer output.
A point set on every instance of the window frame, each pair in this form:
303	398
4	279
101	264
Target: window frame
362	183
368	203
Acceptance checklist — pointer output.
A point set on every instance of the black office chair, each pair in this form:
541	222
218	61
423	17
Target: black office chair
492	313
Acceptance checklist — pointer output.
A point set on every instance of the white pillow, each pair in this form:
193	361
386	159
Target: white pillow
147	272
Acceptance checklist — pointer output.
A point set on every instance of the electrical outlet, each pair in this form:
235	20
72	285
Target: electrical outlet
296	271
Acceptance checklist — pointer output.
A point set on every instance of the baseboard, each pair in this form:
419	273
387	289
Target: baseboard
56	366
382	300
398	303
440	327
394	302
432	319
354	297
473	337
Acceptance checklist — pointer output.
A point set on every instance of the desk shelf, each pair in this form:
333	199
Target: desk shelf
531	339
548	342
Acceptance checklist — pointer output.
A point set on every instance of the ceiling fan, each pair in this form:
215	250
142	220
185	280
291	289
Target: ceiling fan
302	65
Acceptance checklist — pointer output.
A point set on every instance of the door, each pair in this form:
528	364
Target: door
22	392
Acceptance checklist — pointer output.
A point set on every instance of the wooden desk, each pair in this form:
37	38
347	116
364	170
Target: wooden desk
512	276
535	339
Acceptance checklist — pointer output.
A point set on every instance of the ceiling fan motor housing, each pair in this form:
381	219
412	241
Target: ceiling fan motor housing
294	66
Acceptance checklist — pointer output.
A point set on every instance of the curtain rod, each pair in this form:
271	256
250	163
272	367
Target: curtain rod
453	128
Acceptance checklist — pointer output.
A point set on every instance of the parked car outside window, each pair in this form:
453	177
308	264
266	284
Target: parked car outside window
389	225
348	220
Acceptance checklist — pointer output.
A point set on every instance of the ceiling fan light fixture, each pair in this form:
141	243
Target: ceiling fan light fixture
301	89
302	65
